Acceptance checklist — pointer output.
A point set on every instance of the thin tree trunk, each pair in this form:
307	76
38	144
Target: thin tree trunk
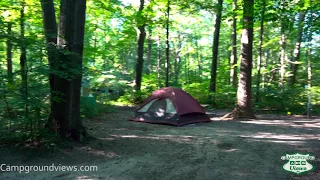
309	68
188	67
309	106
275	68
50	30
296	52
105	66
26	107
244	104
260	51
139	63
199	60
9	54
95	40
265	64
167	64
282	54
23	67
159	61
23	56
149	54
233	57
215	48
177	61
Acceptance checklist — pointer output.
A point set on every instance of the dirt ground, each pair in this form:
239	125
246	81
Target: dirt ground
243	149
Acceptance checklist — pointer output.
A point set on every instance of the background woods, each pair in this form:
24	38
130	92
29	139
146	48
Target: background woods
116	52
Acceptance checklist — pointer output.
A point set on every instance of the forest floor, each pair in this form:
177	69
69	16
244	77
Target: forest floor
122	149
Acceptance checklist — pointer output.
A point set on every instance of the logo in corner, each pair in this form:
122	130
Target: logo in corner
297	163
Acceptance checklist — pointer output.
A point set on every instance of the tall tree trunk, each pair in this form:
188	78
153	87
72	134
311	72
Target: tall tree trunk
23	67
265	64
309	68
104	57
282	53
296	52
309	50
23	56
199	59
66	114
273	73
215	48
263	4
167	64
149	54
188	66
177	61
50	31
233	57
159	60
244	104
95	40
186	69
9	70
9	53
142	36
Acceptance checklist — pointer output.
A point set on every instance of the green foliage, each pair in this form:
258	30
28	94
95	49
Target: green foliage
132	97
110	51
292	100
199	91
223	98
88	107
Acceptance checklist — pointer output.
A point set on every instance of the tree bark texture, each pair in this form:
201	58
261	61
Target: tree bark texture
215	48
9	53
159	61
149	53
296	53
244	102
67	66
23	55
233	57
263	4
141	38
50	31
167	64
282	52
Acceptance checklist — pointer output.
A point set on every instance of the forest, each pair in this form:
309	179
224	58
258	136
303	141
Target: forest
66	63
131	48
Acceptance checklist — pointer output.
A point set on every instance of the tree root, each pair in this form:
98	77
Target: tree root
238	113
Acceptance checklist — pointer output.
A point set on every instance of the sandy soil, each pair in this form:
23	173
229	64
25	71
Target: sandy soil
217	150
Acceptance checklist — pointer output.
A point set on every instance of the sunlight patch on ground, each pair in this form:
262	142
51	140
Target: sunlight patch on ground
91	178
108	139
180	139
84	178
121	129
300	124
216	119
99	152
284	136
161	137
277	141
230	150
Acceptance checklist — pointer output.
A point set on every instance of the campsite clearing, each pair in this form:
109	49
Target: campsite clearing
243	149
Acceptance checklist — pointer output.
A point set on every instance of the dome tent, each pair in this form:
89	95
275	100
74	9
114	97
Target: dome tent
171	106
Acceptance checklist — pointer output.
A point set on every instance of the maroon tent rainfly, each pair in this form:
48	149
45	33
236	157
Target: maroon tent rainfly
171	106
